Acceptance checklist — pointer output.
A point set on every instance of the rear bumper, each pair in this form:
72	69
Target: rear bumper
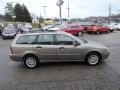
15	57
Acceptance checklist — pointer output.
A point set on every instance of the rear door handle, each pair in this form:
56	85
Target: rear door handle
61	48
38	47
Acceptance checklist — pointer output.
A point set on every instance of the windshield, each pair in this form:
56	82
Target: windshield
9	30
84	41
24	29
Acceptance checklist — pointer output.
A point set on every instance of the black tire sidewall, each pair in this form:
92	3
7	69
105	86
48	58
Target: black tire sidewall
36	59
99	59
97	32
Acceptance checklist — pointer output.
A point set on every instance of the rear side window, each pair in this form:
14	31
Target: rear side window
45	39
74	26
29	39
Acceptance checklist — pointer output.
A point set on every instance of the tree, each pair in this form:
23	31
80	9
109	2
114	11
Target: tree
22	14
18	12
56	19
2	17
9	11
26	15
64	19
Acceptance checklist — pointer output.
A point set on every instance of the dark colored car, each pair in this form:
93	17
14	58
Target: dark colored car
9	32
24	30
0	31
97	29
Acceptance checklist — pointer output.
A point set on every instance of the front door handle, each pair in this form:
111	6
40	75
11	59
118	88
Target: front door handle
61	48
38	47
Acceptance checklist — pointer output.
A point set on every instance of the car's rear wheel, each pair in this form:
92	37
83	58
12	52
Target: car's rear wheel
108	31
93	59
31	61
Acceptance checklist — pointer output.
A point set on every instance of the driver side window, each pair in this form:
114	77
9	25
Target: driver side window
64	40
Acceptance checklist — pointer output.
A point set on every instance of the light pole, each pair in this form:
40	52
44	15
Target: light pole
59	4
44	7
110	12
60	14
68	11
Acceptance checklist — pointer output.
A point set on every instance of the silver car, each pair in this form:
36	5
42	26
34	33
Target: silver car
33	48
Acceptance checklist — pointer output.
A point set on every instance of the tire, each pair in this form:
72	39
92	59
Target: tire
93	59
79	34
31	61
111	30
97	32
108	31
89	32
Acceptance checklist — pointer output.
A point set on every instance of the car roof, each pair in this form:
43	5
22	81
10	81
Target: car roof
42	33
58	32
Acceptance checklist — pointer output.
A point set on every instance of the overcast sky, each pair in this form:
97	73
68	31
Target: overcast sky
78	8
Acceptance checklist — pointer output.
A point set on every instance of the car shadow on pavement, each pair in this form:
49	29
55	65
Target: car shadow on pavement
58	65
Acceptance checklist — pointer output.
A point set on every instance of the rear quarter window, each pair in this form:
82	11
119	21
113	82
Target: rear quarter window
28	39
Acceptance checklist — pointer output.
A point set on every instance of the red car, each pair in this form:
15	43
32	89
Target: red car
97	29
74	29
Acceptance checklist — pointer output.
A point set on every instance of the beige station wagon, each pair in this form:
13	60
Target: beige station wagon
33	48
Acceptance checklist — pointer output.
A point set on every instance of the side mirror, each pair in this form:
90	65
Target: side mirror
76	43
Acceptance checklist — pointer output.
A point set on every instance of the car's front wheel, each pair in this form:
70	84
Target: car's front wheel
108	31
31	61
79	33
93	59
97	32
112	30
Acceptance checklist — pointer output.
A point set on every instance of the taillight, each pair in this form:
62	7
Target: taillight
11	50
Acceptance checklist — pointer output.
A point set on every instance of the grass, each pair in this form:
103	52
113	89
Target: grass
35	25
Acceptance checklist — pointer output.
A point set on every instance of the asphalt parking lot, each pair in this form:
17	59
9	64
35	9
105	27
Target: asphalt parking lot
63	76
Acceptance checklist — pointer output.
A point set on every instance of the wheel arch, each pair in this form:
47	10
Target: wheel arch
93	52
29	54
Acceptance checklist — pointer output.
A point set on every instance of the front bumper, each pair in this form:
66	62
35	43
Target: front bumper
8	37
105	54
